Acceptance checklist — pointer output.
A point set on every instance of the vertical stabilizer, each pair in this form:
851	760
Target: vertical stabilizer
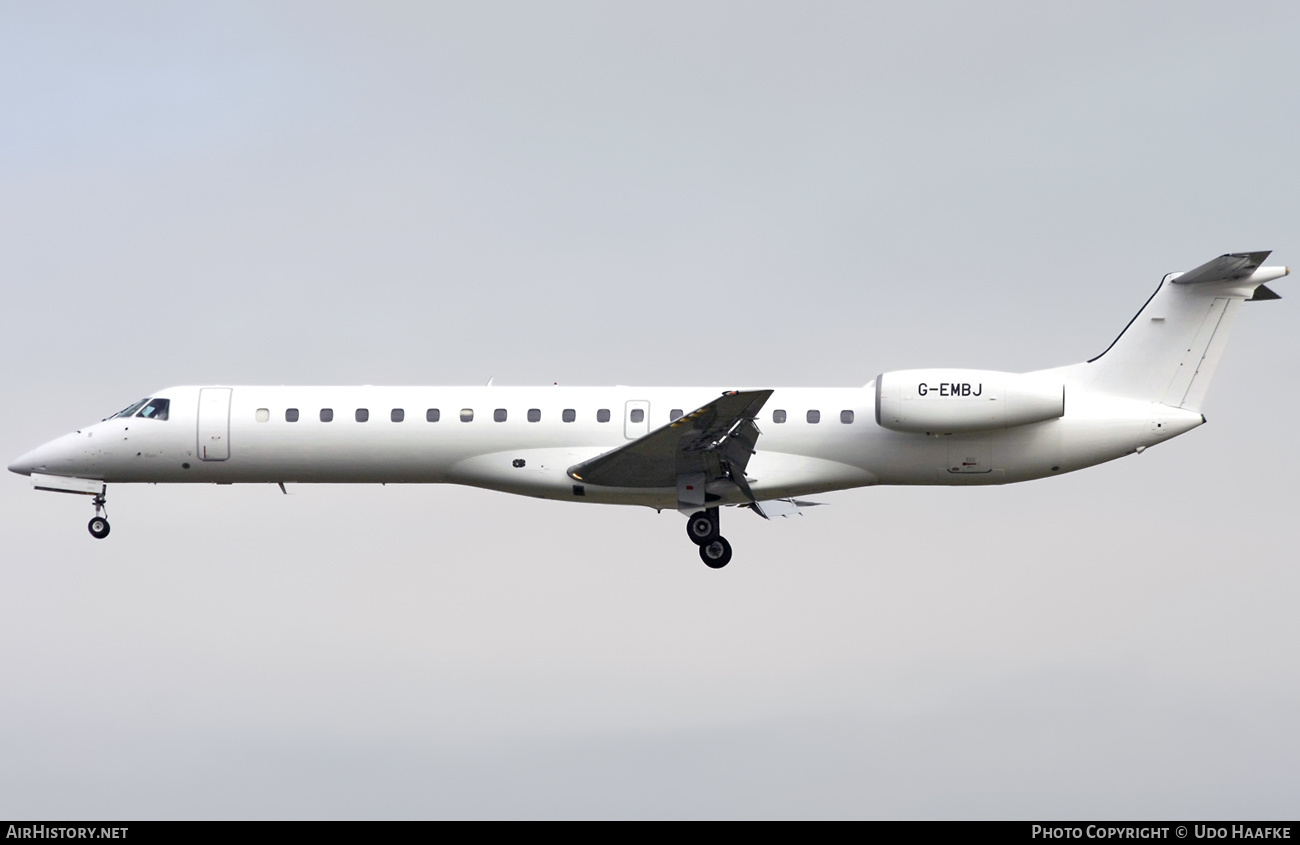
1169	351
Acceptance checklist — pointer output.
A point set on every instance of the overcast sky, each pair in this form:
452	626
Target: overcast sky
720	194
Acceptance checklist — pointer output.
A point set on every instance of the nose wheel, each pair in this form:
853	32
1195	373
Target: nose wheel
98	526
702	528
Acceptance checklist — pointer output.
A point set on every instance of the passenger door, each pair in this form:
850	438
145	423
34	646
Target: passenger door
214	423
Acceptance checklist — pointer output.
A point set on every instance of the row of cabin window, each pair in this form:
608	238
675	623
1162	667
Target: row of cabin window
778	416
813	417
434	415
534	415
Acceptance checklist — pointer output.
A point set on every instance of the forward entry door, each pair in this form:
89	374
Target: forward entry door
214	423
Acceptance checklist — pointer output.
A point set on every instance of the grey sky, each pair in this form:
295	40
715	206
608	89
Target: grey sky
681	193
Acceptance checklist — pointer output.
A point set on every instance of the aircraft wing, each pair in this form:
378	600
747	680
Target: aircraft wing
716	439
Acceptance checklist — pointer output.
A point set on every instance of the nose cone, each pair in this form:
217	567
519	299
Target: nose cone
25	464
54	458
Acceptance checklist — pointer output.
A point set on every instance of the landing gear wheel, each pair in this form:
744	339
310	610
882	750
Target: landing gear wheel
702	528
716	554
98	528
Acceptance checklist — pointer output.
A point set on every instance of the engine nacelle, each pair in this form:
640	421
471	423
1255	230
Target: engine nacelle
957	401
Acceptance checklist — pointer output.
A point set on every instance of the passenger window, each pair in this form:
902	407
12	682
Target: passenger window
263	414
674	415
569	415
814	416
778	416
327	415
290	414
602	415
466	414
534	414
432	415
499	415
363	414
397	415
638	415
156	409
846	417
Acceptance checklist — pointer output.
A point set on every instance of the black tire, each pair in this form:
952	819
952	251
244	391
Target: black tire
701	528
98	528
716	554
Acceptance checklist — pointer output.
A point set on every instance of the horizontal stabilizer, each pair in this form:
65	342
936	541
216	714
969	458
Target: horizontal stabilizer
1241	270
1230	267
1263	293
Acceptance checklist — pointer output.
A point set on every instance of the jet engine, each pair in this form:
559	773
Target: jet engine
957	401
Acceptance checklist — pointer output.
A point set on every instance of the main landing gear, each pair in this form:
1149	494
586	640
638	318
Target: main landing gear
99	525
702	528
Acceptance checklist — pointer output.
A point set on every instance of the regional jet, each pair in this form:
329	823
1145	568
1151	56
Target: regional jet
694	450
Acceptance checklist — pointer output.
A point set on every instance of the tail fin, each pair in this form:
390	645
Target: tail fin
1169	351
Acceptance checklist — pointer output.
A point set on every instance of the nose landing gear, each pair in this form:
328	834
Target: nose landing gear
98	526
702	528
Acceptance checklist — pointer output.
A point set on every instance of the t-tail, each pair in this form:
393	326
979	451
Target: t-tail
1169	351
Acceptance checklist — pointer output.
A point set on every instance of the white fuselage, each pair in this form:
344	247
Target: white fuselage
692	449
245	436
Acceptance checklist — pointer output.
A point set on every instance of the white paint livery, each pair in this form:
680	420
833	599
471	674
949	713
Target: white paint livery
687	448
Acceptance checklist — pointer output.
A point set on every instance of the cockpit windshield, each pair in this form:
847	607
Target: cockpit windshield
154	409
129	410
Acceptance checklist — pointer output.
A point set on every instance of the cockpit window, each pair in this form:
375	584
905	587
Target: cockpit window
156	409
129	410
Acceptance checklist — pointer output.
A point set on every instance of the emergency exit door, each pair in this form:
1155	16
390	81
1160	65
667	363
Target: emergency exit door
636	419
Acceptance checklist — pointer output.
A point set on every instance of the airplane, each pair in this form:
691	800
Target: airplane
694	450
